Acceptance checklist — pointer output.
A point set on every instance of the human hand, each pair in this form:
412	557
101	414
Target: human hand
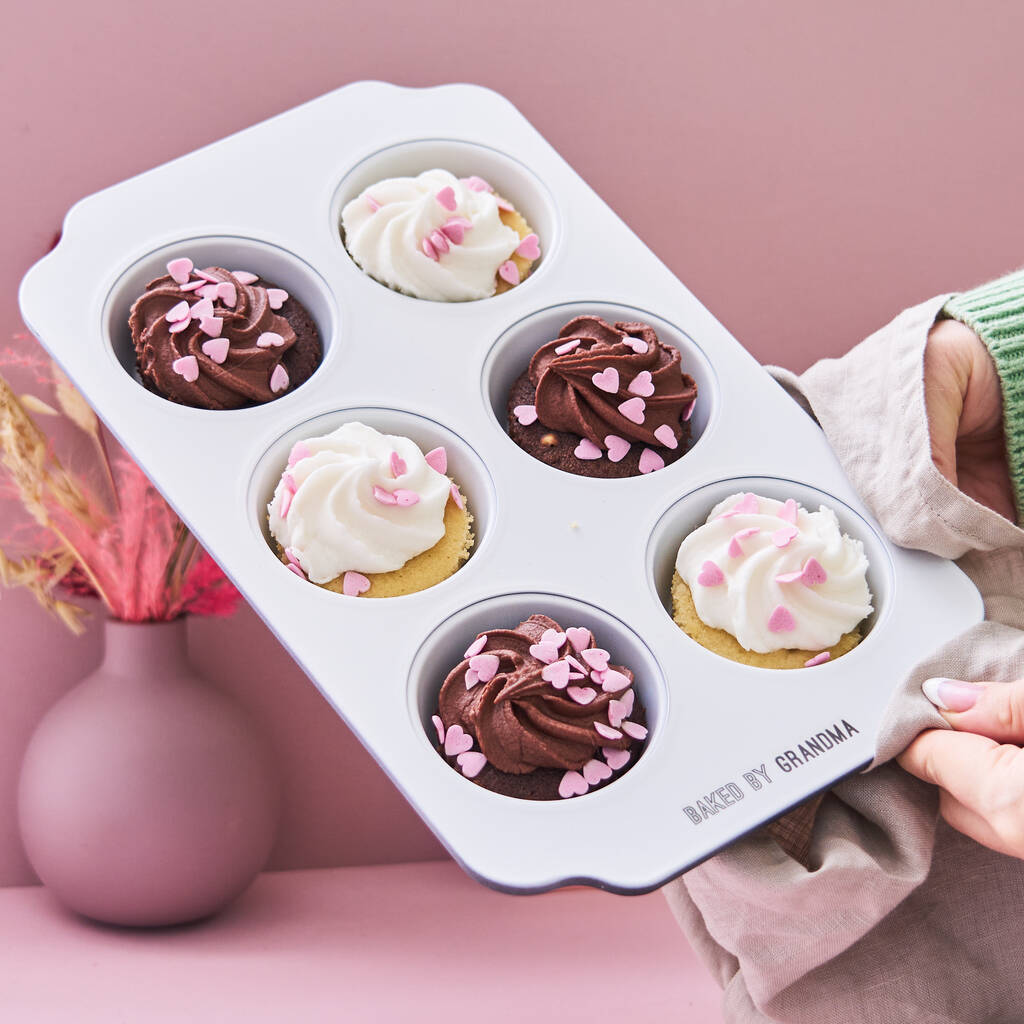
979	766
964	402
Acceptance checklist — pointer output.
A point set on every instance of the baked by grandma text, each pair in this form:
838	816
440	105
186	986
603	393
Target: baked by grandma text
707	805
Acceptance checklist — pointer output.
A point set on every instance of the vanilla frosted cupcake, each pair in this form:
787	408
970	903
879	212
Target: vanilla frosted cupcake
439	237
767	583
360	512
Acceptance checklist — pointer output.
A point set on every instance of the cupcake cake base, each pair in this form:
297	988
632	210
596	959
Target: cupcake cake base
723	643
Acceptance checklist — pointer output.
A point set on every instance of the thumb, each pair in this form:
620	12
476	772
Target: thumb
995	710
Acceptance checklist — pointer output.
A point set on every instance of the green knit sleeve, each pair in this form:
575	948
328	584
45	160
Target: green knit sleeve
995	312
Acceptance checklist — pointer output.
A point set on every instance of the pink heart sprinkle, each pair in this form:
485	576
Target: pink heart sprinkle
618	447
642	384
279	379
437	459
178	312
814	573
596	658
289	481
179	269
192	286
790	577
188	367
485	666
650	461
710	575
508	271
567	347
552	636
633	409
747	505
372	204
544	652
607	731
788	511
300	450
557	674
578	637
457	497
457	740
204	307
667	436
586	450
607	380
634	729
638	345
616	758
428	250
475	184
398	466
226	293
575	664
735	550
616	713
627	700
268	339
216	349
595	771
504	204
598	677
455	228
406	498
207	276
211	325
471	762
244	277
781	620
439	726
439	242
208	291
181	325
276	297
783	535
471	678
297	569
526	414
289	553
446	197
581	694
354	583
383	496
529	248
613	680
572	784
286	503
476	646
818	659
688	411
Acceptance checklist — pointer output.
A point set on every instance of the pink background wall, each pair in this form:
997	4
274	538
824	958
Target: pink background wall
806	170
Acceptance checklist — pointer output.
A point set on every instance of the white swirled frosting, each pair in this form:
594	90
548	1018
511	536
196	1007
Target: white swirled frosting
735	581
385	225
332	520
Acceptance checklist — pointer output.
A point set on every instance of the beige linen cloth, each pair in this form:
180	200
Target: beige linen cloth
892	916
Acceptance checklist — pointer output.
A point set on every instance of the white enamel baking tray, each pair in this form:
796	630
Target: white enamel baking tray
588	552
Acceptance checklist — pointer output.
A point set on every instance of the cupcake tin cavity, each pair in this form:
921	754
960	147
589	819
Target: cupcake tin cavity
723	754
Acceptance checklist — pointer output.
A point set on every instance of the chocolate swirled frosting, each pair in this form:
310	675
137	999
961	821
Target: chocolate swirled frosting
604	400
220	339
538	712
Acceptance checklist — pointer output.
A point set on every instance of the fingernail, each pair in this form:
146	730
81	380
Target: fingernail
951	694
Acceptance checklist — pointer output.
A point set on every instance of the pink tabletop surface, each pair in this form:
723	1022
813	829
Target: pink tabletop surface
807	169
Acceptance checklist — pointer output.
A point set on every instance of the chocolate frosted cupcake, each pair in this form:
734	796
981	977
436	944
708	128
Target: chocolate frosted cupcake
603	401
538	713
221	339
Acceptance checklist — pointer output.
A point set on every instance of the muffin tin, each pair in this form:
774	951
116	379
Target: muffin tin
597	553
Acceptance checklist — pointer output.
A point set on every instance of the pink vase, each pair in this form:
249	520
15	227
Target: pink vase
146	797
